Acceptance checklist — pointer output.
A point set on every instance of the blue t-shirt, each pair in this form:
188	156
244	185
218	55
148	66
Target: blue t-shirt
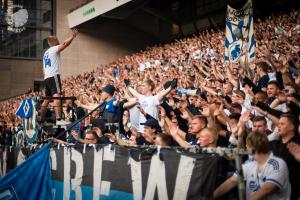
109	107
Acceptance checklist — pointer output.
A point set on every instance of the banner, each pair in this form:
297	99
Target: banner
116	172
239	33
30	180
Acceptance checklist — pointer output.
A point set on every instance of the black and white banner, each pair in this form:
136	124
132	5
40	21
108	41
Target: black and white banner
116	172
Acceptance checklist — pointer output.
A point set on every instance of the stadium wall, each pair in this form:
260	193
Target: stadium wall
17	76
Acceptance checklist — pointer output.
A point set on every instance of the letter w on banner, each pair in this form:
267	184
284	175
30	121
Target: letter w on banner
239	33
30	180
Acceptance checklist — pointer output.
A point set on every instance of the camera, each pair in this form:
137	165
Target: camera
111	128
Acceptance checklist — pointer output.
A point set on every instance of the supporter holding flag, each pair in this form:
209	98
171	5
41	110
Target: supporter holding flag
239	33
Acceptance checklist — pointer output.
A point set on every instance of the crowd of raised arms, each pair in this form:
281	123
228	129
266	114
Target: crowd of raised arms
185	94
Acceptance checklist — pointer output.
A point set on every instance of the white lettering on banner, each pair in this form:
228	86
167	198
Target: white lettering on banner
136	177
97	173
109	155
53	159
21	158
77	180
183	178
157	180
3	163
53	167
99	186
67	166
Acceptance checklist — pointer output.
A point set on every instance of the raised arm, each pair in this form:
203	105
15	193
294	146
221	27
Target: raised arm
174	133
67	42
230	77
130	103
131	90
88	107
164	93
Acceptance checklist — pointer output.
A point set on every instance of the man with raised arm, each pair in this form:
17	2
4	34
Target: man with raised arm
147	100
52	71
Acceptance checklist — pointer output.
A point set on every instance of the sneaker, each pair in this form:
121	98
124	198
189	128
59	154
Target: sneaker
62	123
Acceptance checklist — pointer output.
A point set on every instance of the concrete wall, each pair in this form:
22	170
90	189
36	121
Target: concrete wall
17	76
100	41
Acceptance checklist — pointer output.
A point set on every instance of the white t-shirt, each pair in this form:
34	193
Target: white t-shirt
149	105
51	62
134	117
275	171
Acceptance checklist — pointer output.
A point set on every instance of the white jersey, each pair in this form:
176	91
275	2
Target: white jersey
51	62
134	117
149	105
275	171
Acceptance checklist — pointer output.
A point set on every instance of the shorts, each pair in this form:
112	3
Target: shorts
52	85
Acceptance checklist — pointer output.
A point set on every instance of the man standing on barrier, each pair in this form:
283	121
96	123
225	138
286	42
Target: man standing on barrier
52	71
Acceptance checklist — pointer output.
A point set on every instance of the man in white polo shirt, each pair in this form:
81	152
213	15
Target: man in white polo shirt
52	71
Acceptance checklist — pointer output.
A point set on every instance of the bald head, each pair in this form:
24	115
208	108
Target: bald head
208	137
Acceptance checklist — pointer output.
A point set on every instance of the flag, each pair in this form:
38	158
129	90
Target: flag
30	180
239	33
25	109
30	124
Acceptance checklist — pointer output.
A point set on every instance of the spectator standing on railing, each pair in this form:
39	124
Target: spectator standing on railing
52	71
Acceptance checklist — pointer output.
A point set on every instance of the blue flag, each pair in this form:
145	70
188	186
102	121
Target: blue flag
31	125
239	33
30	180
25	109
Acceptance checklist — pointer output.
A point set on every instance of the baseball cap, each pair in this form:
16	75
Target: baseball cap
110	89
153	123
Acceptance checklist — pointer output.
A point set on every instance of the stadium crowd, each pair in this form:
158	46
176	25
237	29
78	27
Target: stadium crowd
185	94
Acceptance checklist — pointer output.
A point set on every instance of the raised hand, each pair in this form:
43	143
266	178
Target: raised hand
162	112
281	97
127	82
206	112
75	135
294	149
111	136
185	114
173	130
174	83
74	32
245	117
